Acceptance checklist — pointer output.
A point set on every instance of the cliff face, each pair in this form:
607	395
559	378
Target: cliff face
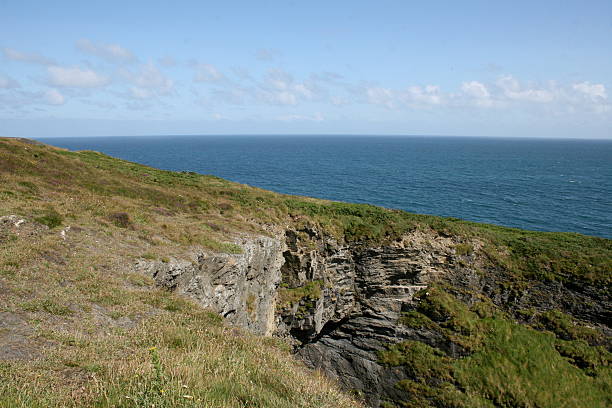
341	304
240	287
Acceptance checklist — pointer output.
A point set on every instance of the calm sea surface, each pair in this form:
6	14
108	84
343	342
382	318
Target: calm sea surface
537	184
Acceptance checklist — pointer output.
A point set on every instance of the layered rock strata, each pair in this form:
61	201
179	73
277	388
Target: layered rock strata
339	304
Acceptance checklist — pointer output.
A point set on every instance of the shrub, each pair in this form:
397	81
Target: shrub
51	219
121	220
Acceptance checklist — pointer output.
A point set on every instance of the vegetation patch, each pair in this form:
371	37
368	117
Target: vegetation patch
508	364
564	327
463	249
121	220
46	305
50	218
288	297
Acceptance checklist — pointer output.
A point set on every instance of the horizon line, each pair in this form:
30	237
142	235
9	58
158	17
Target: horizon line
328	134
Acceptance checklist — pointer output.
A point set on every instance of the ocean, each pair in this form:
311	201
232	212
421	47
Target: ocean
534	184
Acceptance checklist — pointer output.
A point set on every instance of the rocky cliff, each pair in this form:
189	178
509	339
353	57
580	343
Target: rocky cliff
343	305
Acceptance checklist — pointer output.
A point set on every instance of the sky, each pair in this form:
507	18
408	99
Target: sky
473	68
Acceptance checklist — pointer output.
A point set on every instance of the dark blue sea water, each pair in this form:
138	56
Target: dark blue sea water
537	184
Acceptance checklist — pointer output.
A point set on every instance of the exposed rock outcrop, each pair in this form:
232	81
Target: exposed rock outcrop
363	293
339	303
240	287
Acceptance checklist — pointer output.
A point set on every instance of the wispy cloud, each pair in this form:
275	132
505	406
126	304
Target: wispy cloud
8	83
596	92
113	53
74	77
414	96
506	93
147	82
278	87
21	101
30	58
167	61
147	85
207	73
512	90
267	54
381	96
54	97
316	117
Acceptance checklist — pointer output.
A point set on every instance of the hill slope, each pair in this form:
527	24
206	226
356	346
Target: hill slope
78	327
408	310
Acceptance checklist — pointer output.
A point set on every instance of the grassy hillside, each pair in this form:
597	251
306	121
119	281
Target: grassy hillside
78	327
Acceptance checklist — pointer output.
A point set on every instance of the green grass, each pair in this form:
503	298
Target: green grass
564	327
51	219
46	305
507	364
519	366
289	296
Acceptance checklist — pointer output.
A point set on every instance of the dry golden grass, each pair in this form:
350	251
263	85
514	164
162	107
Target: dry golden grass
90	324
80	327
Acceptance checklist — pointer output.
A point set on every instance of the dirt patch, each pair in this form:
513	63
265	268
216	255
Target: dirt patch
16	342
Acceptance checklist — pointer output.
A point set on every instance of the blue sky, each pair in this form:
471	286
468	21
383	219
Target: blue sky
483	68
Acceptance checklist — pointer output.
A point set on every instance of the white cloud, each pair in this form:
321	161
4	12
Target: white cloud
151	77
233	96
514	91
267	54
54	97
477	93
593	91
303	90
414	96
339	100
506	93
23	101
593	96
110	52
166	61
32	58
8	83
74	77
279	88
475	89
381	96
278	79
418	96
207	73
99	104
242	73
326	76
146	83
277	97
140	93
316	117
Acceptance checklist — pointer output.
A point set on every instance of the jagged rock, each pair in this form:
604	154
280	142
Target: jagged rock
343	301
240	287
